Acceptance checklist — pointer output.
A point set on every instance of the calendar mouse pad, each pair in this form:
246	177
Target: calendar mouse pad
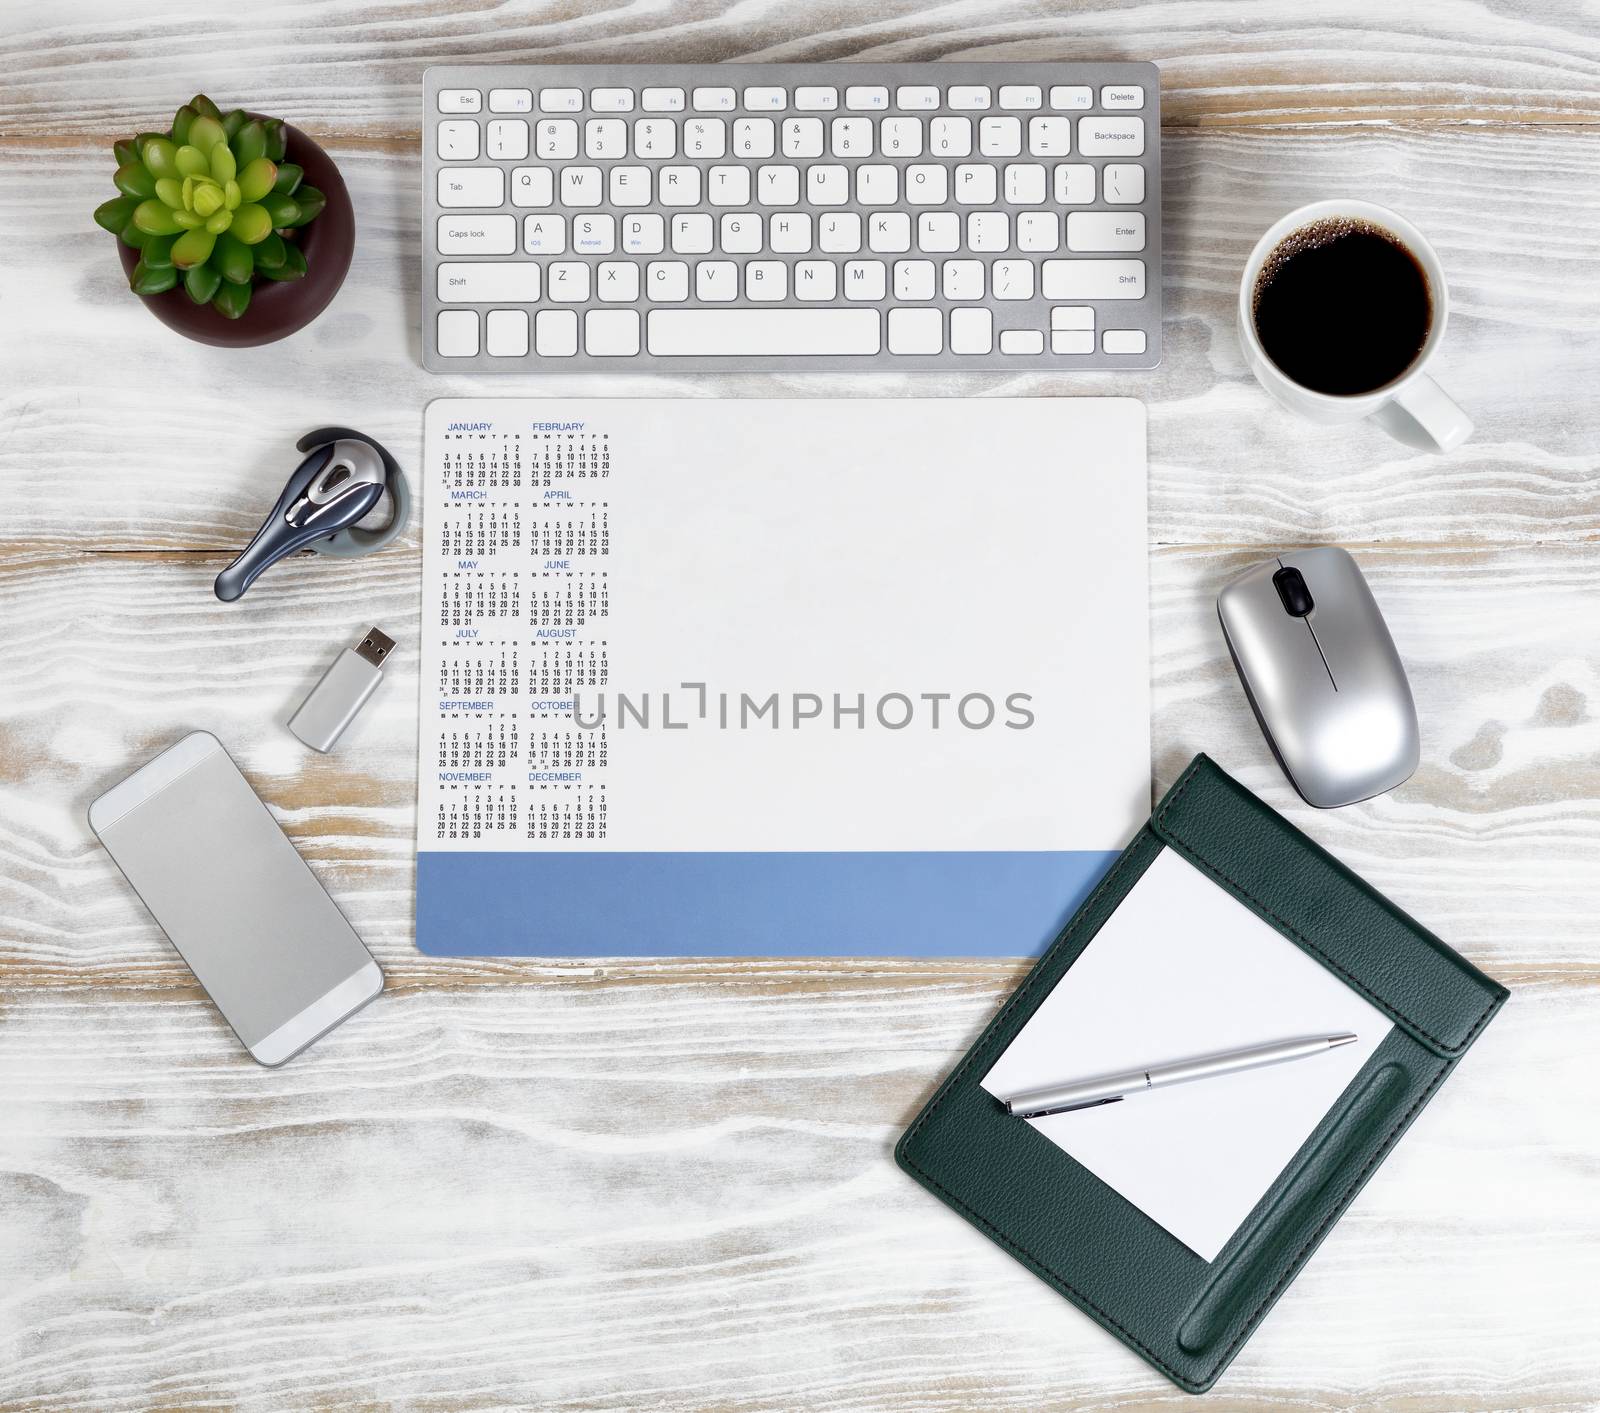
814	677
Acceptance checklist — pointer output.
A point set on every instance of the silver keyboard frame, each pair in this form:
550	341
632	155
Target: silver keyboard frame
1144	314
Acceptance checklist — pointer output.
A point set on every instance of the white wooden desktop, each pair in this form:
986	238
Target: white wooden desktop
441	1205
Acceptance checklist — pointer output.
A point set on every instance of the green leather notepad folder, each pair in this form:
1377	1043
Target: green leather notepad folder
1107	1242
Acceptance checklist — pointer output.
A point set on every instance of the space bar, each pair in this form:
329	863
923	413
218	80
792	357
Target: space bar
746	333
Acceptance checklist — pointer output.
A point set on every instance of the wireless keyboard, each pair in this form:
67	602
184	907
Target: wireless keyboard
791	217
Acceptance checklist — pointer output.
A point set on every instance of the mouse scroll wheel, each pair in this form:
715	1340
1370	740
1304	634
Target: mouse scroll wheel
1291	587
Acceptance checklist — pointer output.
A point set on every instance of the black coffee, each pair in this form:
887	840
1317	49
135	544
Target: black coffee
1342	306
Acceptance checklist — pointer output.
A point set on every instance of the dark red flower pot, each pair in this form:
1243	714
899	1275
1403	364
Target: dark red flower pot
278	308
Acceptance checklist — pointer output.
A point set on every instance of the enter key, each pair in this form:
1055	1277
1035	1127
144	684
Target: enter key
1105	230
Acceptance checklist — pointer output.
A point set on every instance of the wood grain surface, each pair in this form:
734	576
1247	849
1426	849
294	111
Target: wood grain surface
667	1184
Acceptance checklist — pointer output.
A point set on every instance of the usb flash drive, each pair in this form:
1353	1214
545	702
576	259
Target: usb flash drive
343	691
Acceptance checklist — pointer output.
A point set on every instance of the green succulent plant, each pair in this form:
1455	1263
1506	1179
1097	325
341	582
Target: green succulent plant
213	203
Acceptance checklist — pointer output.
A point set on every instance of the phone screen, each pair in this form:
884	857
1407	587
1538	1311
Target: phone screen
235	898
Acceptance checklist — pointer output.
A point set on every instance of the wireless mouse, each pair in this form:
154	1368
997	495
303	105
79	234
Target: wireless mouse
1322	674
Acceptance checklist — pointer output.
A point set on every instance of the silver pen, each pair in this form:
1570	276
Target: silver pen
1109	1088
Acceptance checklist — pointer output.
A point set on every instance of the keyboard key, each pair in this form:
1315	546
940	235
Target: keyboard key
754	137
457	334
851	137
1025	184
766	281
630	186
666	281
1000	137
728	186
643	235
471	186
1124	183
460	100
975	184
969	97
802	137
839	233
759	100
605	138
555	333
864	279
611	333
741	233
1012	279
544	235
458	141
581	186
927	184
916	331
568	282
1111	137
532	186
889	232
705	139
827	186
917	97
489	282
816	279
1122	341
508	139
816	100
1049	137
877	184
509	100
902	137
655	137
1021	341
477	235
716	281
612	100
662	100
1071	341
1093	279
971	331
778	186
506	333
950	137
714	100
556	139
1066	97
693	233
1122	95
1020	95
617	281
561	100
1075	184
790	233
755	333
963	279
988	231
678	186
866	99
1038	230
594	235
913	280
1072	316
939	231
1105	230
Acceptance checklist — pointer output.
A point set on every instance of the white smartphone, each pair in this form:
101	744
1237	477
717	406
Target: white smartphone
235	898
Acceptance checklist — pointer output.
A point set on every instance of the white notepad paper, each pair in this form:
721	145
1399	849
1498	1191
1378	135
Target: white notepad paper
1180	969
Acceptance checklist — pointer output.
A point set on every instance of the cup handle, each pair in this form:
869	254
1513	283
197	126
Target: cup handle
1421	415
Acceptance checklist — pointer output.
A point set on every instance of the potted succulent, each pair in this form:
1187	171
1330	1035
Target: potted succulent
236	229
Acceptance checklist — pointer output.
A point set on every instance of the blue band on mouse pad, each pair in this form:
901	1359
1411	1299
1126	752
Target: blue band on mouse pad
957	904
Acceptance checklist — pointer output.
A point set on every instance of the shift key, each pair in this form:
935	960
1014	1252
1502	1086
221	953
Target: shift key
1093	279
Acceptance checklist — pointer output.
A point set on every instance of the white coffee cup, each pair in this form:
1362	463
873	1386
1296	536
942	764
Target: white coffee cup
1412	407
